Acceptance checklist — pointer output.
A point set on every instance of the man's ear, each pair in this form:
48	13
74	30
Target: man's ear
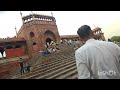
81	39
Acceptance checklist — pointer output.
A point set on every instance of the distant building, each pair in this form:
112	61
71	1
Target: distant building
98	34
37	30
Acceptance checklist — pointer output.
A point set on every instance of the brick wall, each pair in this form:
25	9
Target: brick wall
38	28
15	52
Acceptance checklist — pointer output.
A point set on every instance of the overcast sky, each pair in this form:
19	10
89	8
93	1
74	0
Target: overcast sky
68	22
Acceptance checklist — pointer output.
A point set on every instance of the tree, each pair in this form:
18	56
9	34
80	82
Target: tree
115	38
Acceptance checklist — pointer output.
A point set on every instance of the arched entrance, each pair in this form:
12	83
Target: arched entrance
48	40
49	36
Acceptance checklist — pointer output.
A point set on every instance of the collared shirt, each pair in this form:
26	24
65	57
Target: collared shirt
98	60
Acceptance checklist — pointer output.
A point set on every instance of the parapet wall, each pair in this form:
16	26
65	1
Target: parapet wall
11	39
36	19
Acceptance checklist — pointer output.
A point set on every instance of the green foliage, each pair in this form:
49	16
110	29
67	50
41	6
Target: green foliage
115	38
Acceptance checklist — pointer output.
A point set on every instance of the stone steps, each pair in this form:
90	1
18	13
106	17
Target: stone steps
64	67
48	69
45	67
60	65
63	74
45	64
53	60
75	76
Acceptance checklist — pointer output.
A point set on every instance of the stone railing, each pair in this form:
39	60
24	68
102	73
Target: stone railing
38	17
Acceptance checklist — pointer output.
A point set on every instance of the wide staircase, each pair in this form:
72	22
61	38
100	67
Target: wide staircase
58	65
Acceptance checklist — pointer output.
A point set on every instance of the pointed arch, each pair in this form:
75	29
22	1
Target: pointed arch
49	36
32	34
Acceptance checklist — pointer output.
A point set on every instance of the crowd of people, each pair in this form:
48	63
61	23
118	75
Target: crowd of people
70	42
75	47
50	48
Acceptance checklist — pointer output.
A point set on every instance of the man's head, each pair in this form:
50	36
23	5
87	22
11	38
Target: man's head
85	33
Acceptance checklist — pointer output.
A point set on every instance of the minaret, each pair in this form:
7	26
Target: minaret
33	15
52	14
21	17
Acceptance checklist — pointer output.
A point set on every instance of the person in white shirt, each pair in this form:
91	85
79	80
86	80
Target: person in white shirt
96	59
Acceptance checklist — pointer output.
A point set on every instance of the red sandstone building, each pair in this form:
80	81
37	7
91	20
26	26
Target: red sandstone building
37	30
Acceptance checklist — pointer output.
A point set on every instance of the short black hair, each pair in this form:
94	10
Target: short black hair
84	31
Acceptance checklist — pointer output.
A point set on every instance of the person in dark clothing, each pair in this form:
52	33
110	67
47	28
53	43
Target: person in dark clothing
21	67
28	68
2	50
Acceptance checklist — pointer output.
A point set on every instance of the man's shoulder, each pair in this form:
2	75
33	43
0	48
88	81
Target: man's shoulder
109	43
104	42
81	49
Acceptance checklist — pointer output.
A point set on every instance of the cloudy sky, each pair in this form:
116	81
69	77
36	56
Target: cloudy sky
68	22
